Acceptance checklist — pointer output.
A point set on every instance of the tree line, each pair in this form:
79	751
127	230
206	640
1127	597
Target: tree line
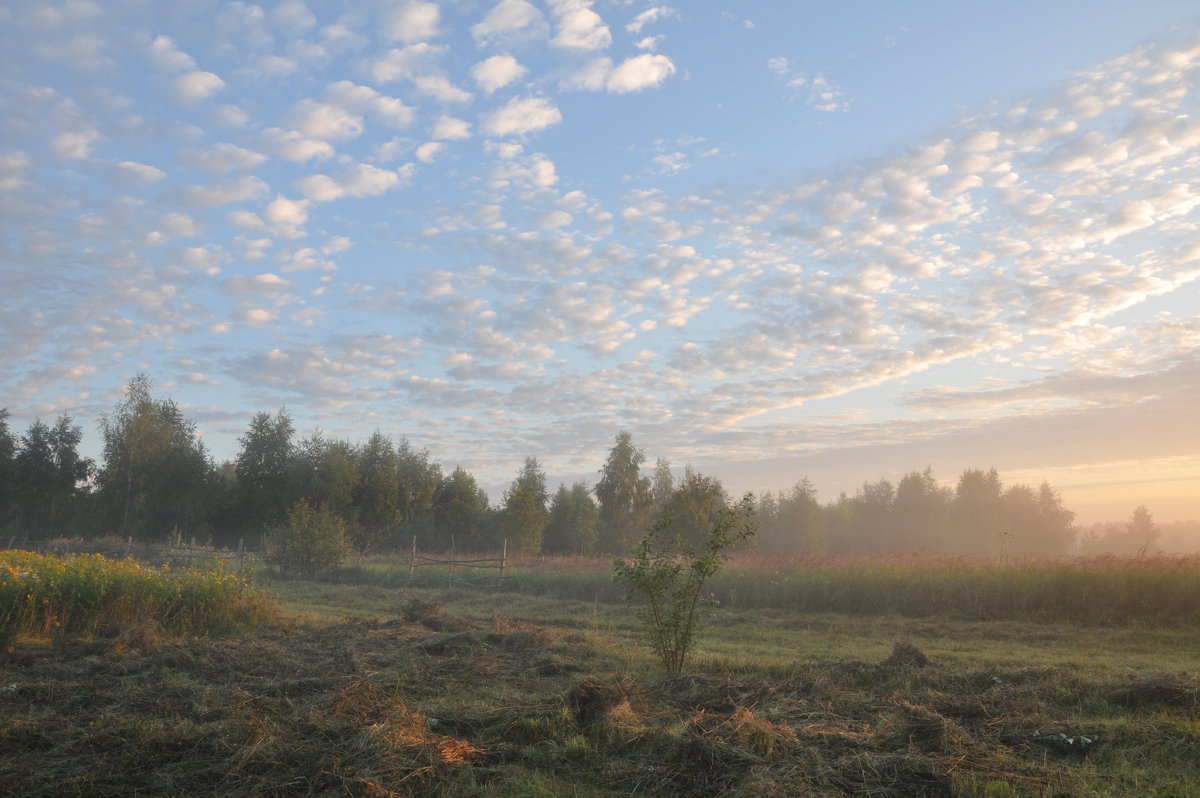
156	479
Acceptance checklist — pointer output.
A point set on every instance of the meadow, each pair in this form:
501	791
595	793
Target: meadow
805	681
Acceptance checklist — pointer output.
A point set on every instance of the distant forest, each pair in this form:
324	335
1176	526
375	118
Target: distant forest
156	479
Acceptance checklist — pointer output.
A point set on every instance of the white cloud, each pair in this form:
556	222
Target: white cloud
440	87
406	63
169	58
142	172
324	121
411	21
497	72
214	194
74	144
351	96
192	87
639	72
180	224
648	43
222	157
509	21
633	74
247	220
523	115
293	17
646	17
579	27
428	151
266	283
448	128
294	146
287	216
361	180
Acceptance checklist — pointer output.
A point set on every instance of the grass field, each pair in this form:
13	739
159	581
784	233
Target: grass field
364	689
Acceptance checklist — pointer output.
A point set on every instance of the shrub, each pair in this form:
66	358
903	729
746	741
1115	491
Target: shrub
668	573
312	540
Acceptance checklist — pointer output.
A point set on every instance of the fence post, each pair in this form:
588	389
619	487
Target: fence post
412	561
129	547
191	546
503	562
11	541
241	555
450	578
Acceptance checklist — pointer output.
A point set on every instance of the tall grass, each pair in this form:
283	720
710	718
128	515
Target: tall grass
1158	590
49	595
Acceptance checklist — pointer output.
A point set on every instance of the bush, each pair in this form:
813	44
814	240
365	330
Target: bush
668	573
313	540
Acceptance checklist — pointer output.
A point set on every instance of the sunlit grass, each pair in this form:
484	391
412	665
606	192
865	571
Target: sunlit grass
46	595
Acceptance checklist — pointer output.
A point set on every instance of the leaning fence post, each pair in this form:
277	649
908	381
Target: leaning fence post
241	555
129	547
191	546
450	578
412	561
503	562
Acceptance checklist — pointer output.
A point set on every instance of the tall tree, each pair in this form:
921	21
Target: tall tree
8	473
377	497
623	495
793	521
663	486
525	513
572	528
156	472
459	509
327	473
266	470
979	512
694	507
1141	528
921	512
419	476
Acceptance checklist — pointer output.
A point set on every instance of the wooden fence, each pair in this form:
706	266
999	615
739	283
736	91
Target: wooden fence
458	572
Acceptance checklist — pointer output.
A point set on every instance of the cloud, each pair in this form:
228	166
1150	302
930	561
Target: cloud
323	121
419	63
74	144
579	27
265	283
510	21
350	96
411	21
222	157
497	72
646	17
633	74
192	87
521	116
140	172
361	180
240	190
294	146
287	216
169	58
448	128
428	151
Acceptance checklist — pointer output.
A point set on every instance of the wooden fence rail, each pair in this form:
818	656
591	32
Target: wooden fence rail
500	564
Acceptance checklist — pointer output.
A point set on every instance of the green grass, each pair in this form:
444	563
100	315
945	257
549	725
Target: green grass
45	595
377	690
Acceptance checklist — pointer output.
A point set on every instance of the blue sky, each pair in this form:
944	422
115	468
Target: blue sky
771	239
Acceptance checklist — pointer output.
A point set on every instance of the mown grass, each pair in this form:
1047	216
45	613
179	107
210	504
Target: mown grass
46	595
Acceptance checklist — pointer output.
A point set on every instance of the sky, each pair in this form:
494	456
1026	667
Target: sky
771	239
